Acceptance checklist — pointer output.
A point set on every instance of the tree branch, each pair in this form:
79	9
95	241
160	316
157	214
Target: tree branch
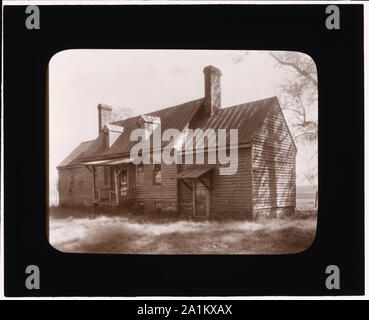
294	66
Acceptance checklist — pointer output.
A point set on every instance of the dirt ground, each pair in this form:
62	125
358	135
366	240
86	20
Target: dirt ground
76	231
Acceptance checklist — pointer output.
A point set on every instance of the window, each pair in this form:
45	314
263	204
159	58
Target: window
157	174
139	174
107	174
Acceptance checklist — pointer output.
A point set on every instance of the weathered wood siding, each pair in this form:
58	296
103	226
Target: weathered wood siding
158	196
230	194
75	186
273	167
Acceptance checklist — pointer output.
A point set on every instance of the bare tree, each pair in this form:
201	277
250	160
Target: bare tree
299	93
301	63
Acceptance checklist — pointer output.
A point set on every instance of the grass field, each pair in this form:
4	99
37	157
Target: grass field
80	231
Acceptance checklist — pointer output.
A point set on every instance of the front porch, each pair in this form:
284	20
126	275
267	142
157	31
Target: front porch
115	185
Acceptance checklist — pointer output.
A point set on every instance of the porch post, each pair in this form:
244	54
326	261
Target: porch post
207	202
193	197
93	183
116	185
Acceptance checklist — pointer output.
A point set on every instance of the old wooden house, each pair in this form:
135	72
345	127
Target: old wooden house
101	172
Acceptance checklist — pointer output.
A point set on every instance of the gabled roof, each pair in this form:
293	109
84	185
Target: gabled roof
247	118
114	128
151	119
82	147
173	117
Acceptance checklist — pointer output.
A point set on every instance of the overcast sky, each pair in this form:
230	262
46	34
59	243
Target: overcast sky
145	80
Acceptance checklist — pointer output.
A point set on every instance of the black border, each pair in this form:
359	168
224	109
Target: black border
340	234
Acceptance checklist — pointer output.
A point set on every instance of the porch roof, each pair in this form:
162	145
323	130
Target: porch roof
193	173
110	162
119	161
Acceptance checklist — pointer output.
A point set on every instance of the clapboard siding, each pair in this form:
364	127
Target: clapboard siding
75	186
233	193
230	194
166	191
273	167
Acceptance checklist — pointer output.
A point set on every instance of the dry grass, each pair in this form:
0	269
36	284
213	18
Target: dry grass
80	231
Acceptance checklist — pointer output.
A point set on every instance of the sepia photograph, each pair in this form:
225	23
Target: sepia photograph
182	151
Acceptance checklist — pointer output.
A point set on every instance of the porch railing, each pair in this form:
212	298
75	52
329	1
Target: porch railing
109	196
105	195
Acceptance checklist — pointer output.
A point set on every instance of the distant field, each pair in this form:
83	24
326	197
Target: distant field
160	235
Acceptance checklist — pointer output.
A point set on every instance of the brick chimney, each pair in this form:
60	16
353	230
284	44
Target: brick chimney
212	100
104	114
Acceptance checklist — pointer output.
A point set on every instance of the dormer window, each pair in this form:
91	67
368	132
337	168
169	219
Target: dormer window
149	123
111	134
